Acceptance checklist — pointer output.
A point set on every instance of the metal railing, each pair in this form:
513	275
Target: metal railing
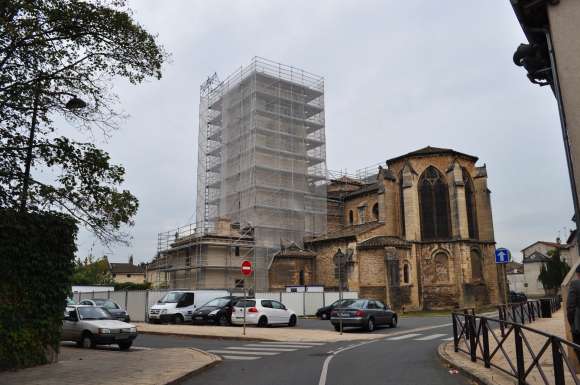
480	338
529	311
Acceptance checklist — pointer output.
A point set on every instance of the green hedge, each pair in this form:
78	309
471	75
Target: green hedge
132	286
36	264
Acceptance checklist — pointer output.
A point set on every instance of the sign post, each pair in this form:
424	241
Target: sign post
502	258
246	270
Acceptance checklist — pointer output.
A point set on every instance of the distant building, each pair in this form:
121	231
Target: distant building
127	272
534	257
515	277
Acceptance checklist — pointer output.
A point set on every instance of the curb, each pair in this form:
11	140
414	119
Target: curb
469	372
215	361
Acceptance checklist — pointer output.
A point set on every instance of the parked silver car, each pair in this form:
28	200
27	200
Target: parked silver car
89	326
116	311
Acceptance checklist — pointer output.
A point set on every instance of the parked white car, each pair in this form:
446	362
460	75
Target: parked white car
263	312
89	326
178	306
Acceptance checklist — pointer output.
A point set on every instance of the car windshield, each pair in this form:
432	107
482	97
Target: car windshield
246	303
172	297
107	304
70	301
218	302
93	313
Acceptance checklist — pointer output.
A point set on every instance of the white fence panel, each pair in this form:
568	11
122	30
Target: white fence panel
270	295
154	296
136	305
119	298
314	301
294	301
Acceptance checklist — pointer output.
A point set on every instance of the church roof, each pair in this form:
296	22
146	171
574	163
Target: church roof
382	241
432	151
348	232
293	250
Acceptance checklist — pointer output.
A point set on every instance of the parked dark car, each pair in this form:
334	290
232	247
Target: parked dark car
218	311
324	312
116	311
517	297
364	313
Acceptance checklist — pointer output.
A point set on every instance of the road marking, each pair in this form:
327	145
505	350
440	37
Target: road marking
403	337
262	349
431	337
140	348
240	358
280	346
243	352
447	339
293	343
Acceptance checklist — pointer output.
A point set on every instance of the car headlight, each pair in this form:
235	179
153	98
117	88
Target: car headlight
132	330
104	331
163	311
214	312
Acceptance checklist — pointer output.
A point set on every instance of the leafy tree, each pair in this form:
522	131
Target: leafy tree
57	61
552	273
92	272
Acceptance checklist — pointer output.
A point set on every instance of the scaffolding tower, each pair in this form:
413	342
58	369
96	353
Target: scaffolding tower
262	156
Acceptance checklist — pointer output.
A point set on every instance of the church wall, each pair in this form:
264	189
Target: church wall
285	271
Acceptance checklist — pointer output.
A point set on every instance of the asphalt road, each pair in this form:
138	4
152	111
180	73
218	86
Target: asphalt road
404	356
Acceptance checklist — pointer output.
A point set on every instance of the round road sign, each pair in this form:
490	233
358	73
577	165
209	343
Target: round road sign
246	268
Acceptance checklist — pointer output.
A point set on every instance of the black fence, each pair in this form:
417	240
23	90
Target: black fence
529	311
472	335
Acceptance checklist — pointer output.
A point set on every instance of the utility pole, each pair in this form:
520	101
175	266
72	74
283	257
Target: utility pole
29	145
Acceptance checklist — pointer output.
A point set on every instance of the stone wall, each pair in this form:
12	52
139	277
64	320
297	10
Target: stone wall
285	271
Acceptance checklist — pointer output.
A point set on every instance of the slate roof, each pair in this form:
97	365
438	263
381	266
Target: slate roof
348	232
293	250
382	241
126	268
432	151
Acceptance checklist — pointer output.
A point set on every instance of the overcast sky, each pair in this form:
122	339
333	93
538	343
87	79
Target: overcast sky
399	75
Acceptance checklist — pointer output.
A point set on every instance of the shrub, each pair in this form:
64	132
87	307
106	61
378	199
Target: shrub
36	255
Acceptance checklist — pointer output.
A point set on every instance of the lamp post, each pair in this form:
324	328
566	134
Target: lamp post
73	104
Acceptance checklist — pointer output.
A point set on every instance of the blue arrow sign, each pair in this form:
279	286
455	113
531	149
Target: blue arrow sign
502	255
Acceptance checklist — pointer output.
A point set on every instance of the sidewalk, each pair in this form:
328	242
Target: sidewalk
284	334
554	325
110	367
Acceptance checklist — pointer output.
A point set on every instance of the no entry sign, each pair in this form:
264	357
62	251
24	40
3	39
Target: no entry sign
246	268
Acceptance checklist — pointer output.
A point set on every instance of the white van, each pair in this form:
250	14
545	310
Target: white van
178	306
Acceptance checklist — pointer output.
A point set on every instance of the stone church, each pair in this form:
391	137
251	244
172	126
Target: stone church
419	236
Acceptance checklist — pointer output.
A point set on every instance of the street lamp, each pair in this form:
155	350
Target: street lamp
73	104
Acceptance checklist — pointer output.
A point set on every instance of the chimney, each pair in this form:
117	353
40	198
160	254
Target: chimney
131	260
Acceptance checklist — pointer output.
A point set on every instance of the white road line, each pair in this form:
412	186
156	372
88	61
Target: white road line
292	342
431	337
243	353
447	339
140	348
403	337
240	358
262	349
280	346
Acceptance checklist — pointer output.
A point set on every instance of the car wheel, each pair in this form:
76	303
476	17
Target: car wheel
125	345
87	341
178	319
324	316
263	322
223	320
370	325
292	321
337	327
393	322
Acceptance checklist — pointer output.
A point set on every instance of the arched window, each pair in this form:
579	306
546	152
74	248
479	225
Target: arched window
476	265
470	204
401	204
376	211
434	205
406	273
441	273
350	217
